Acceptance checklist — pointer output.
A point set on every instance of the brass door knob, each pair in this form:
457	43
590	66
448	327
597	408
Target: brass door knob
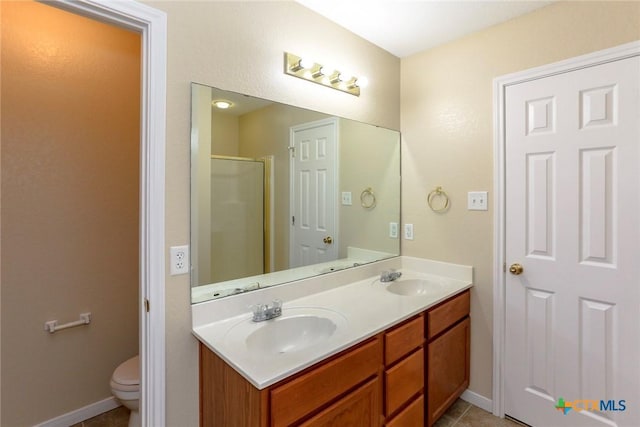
328	240
516	269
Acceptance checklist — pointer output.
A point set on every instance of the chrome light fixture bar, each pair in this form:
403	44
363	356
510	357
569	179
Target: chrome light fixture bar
317	73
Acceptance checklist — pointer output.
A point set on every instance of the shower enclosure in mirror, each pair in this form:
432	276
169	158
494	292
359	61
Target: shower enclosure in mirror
280	193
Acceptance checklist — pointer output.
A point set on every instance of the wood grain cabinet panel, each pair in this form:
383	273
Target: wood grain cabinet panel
447	313
301	396
403	339
447	369
360	408
411	416
403	381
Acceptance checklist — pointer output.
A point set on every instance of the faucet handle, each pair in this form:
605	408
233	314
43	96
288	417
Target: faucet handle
277	306
258	311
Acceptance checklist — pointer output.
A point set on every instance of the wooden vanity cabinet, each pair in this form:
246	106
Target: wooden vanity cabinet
406	376
344	390
448	354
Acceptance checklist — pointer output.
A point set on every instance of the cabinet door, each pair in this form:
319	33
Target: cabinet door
447	369
360	408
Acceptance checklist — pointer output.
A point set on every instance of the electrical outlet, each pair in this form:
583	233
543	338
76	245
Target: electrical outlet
477	201
179	260
408	231
393	230
346	198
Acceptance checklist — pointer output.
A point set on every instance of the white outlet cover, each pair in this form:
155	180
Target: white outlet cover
408	231
393	230
179	258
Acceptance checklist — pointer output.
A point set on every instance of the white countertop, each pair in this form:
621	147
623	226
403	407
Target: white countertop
363	306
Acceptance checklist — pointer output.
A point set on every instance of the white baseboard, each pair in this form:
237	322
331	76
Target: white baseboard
82	414
477	400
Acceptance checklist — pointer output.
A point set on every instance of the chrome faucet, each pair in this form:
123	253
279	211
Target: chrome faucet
263	312
389	276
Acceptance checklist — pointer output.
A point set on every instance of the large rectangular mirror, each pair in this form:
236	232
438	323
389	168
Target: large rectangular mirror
280	193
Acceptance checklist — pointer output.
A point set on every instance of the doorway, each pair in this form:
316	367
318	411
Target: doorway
150	254
314	154
568	297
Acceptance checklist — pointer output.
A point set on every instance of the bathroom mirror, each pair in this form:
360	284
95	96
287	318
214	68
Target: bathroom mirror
280	193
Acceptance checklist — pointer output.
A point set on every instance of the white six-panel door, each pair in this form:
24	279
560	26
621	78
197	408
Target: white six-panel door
313	193
573	224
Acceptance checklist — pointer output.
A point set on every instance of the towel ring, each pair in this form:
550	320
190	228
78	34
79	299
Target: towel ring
438	193
368	199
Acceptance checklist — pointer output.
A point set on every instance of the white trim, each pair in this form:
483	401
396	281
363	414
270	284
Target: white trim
84	413
477	400
499	86
152	26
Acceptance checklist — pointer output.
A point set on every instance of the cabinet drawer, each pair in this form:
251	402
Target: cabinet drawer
403	339
360	408
403	381
445	315
411	416
301	396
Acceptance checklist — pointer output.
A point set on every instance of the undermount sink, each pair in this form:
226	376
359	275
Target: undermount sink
297	329
415	287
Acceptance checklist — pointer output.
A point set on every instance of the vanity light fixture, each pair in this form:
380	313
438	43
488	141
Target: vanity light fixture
309	70
222	104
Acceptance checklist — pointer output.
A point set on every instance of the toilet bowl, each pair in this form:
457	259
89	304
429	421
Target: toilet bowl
125	386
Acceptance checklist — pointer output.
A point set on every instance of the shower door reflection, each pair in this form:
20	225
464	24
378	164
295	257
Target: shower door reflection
237	218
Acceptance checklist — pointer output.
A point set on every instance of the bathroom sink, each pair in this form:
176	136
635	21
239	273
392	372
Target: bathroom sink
297	329
416	287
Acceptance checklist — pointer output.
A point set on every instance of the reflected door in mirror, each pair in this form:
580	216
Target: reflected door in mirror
313	188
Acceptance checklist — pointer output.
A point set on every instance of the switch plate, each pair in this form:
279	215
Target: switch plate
179	260
393	230
408	231
346	198
477	201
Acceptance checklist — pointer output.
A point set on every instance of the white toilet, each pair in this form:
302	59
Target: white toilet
125	386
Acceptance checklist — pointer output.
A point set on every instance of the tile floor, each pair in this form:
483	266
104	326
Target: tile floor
461	414
118	417
464	414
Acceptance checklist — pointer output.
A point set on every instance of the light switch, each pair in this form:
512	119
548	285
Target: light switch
346	198
477	201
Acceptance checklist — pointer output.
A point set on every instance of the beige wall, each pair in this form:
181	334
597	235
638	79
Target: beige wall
225	134
369	157
70	141
239	46
448	136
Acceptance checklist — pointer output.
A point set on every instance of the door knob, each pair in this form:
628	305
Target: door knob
328	240
516	269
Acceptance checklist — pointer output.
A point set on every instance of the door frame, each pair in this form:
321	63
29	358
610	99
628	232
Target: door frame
335	121
151	24
500	85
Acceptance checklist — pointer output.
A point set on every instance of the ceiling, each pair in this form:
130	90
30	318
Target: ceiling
404	27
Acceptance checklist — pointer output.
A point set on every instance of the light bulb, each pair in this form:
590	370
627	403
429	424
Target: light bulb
222	104
306	63
362	81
